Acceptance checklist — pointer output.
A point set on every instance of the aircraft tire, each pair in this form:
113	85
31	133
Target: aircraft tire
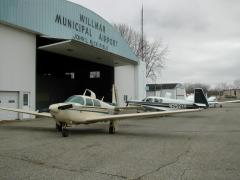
111	130
58	127
65	132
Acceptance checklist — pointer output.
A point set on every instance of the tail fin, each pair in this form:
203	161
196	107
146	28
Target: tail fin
199	98
114	96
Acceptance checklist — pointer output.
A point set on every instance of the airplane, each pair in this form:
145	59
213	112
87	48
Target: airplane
85	109
213	102
166	104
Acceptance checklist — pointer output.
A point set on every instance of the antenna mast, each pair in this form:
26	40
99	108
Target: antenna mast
142	31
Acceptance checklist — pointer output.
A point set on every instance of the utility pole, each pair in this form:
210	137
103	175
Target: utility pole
142	31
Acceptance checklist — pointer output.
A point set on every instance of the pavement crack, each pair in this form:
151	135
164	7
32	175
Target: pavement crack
24	159
90	146
44	164
183	173
167	164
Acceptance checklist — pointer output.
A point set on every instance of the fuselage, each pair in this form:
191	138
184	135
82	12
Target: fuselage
164	102
83	108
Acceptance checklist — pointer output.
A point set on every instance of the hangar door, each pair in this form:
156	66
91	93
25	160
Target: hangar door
60	76
10	100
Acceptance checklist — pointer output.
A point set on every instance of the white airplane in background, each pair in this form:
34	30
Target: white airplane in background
166	104
213	102
83	109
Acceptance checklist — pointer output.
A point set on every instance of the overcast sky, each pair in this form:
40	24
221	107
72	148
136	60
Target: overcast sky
203	36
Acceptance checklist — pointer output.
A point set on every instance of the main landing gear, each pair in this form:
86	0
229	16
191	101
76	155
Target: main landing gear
111	127
63	128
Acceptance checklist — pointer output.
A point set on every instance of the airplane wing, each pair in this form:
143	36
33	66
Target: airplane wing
158	108
27	112
125	108
224	102
106	118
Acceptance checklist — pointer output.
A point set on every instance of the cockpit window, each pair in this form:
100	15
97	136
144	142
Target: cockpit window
96	103
89	102
149	100
75	99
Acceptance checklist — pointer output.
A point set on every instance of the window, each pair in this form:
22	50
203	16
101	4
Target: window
76	99
70	74
94	74
89	102
96	103
25	99
149	100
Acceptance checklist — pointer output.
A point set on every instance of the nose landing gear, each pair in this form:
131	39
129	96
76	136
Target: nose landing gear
59	127
62	127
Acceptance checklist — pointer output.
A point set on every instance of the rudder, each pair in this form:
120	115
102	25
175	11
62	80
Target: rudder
199	97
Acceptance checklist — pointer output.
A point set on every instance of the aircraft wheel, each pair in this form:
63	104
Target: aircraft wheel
111	128
59	127
65	132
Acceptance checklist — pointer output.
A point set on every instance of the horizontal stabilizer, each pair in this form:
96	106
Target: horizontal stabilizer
200	105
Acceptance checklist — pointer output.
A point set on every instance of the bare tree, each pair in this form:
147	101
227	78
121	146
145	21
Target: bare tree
222	86
154	53
191	86
237	83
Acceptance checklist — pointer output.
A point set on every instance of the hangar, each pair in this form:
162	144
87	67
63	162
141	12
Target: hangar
50	50
168	90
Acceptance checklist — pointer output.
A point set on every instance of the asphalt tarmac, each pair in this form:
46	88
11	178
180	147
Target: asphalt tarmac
201	145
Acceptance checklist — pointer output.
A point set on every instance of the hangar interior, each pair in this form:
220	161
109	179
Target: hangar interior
60	74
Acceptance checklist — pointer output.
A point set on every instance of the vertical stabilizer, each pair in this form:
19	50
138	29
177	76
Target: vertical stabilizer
199	97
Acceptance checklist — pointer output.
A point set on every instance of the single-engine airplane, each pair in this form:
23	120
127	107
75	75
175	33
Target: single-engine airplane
83	109
166	104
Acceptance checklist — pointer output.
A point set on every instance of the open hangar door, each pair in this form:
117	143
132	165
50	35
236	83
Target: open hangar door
60	76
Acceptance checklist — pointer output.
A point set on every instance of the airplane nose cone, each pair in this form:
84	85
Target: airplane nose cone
54	108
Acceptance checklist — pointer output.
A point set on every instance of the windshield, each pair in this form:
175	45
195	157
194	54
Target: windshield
75	99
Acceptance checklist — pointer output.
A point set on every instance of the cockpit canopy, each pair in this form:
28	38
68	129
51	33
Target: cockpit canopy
84	101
